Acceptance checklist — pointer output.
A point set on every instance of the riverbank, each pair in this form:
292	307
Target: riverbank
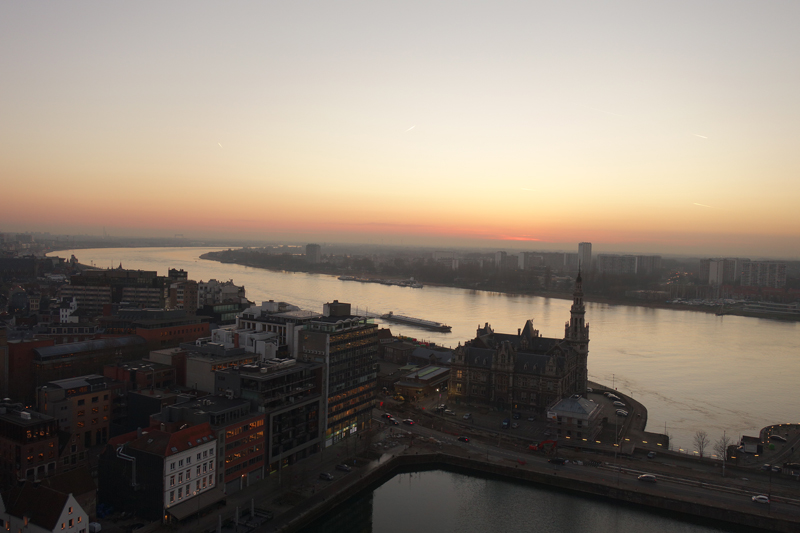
539	293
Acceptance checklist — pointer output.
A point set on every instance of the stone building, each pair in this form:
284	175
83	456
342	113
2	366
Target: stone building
523	371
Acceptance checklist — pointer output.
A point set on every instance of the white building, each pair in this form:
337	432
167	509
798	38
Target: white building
39	509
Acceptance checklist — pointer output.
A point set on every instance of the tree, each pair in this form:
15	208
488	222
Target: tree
721	446
701	441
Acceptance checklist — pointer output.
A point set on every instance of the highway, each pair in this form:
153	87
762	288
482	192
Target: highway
698	486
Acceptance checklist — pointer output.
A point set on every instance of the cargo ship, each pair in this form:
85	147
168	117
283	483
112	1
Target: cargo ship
411	321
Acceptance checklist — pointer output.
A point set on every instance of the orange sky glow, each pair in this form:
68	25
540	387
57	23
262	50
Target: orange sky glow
523	125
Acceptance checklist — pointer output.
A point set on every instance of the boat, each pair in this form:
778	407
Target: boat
419	322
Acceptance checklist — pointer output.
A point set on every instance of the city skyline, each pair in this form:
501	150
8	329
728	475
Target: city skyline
653	129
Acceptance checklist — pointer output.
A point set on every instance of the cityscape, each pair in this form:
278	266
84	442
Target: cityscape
158	400
376	267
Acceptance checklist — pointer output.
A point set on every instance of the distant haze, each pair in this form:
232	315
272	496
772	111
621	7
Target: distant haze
649	127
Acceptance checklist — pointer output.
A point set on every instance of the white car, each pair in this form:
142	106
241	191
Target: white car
622	412
619	404
760	499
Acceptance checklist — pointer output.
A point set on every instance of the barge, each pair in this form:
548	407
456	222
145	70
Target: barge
419	322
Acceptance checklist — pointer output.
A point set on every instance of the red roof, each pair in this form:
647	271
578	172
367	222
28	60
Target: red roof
164	443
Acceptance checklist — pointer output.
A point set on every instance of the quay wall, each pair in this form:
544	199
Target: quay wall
325	501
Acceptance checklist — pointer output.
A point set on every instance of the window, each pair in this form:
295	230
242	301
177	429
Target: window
81	402
198	470
81	412
198	456
95	409
172	466
94	399
172	481
70	510
180	462
63	525
71	522
188	460
180	477
180	492
171	496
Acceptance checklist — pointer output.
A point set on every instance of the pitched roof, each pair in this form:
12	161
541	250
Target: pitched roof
77	481
163	443
42	505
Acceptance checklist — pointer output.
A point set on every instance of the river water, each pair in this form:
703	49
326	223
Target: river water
447	502
692	370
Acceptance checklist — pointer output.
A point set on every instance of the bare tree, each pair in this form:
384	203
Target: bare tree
701	441
721	446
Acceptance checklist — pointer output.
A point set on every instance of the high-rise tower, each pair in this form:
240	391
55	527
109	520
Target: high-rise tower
577	333
585	256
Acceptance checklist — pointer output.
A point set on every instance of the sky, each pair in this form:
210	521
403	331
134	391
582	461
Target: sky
669	127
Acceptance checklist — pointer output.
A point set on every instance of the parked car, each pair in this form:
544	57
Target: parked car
619	404
467	416
776	468
343	467
408	421
613	397
766	466
622	412
760	498
589	389
442	406
651	455
449	412
514	425
531	418
463	439
506	424
777	438
326	476
516	416
650	478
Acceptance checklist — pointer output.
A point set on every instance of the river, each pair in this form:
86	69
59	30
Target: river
692	370
447	502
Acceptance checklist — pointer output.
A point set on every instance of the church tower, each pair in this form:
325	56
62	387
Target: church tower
577	334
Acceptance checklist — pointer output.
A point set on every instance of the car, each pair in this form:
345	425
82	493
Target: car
467	416
506	424
651	455
408	421
399	398
463	439
442	406
343	467
386	415
777	438
589	389
531	418
766	466
650	478
613	397
516	416
326	476
776	468
622	412
393	421
619	404
557	461
760	498
514	425
449	412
